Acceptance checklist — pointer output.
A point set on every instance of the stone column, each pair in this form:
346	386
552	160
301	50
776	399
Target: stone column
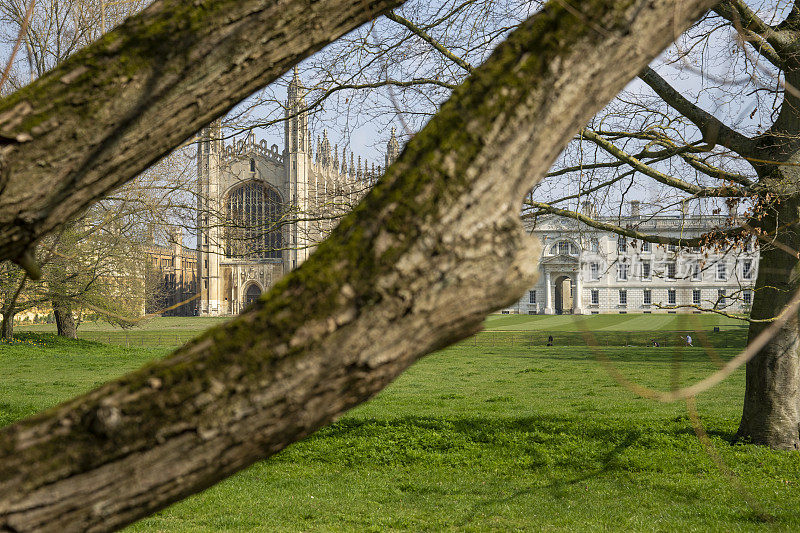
548	290
577	299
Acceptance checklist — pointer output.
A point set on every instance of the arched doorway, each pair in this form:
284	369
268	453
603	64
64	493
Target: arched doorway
252	294
563	295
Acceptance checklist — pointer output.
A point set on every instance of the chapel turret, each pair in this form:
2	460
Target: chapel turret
296	127
392	149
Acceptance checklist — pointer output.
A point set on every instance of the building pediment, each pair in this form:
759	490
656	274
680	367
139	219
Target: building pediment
548	223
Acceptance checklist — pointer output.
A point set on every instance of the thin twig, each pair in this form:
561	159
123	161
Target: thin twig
22	29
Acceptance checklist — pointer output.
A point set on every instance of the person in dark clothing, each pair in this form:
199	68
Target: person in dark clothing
550	340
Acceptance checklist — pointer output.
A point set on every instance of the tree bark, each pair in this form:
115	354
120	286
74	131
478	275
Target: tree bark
7	332
65	321
109	111
10	308
771	412
434	247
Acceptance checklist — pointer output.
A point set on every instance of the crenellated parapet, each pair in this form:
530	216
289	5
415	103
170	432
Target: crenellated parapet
248	147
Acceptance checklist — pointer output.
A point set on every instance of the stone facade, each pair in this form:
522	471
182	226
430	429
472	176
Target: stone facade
262	210
583	270
170	278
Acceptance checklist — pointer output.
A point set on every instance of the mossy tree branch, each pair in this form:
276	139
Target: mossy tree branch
434	247
772	43
114	108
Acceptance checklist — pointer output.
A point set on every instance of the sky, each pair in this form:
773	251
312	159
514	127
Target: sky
365	129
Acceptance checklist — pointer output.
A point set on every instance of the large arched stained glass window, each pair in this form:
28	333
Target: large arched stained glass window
253	222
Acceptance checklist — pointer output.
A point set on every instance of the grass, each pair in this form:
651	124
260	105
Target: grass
628	322
607	330
515	438
38	371
151	333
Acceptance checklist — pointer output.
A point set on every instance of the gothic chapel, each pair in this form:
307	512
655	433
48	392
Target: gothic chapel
261	211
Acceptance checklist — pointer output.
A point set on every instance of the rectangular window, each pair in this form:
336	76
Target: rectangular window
595	297
622	271
747	269
721	297
648	297
595	271
623	297
672	248
532	297
696	296
671	270
722	271
747	297
252	165
671	299
646	273
645	246
621	245
696	274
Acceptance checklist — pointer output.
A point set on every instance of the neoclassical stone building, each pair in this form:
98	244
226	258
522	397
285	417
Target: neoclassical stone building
262	209
586	271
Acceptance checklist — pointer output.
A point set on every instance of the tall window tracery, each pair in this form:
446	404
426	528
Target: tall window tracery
253	222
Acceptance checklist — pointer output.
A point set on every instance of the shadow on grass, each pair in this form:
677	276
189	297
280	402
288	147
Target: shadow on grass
552	455
572	442
557	485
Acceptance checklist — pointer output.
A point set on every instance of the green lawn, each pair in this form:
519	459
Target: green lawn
515	438
632	329
629	322
151	333
159	323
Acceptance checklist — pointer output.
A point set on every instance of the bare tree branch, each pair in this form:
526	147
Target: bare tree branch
714	131
696	190
416	30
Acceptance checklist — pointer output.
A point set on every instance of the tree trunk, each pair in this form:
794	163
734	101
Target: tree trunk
65	320
434	247
8	326
771	412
